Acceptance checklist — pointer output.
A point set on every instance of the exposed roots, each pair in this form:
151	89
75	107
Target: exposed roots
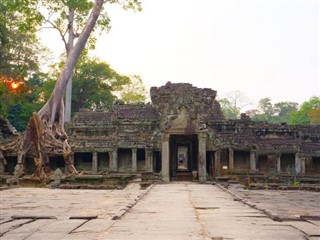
39	140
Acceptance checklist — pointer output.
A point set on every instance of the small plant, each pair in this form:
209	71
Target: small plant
296	183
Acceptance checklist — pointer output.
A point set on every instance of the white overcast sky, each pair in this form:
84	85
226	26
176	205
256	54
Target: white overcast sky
264	48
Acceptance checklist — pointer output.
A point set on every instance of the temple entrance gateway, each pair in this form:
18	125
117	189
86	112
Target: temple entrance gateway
183	156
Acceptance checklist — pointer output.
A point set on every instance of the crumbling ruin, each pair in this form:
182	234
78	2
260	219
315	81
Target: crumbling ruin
183	132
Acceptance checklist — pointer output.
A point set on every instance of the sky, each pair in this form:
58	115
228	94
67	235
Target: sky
263	48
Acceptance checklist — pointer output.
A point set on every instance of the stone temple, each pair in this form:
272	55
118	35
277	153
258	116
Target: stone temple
183	132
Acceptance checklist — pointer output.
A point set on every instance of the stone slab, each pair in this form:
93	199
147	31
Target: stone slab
94	226
306	227
314	222
56	230
27	230
10	226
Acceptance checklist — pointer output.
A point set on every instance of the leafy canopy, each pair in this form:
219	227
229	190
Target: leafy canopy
308	113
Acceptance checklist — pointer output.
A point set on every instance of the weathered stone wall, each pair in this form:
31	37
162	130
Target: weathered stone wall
143	137
185	106
264	138
124	126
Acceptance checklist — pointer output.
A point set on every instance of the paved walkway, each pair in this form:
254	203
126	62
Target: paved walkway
169	211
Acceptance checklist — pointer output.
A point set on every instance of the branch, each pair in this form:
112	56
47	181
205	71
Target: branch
60	32
44	28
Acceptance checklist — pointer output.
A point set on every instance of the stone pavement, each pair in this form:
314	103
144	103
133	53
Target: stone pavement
285	205
182	210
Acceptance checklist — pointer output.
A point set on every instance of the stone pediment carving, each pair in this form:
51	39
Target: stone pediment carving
181	121
180	105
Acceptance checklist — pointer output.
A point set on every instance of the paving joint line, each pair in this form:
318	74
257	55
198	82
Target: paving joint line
195	209
123	211
16	226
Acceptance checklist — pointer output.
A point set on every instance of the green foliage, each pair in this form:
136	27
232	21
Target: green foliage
18	104
21	54
228	109
233	103
135	91
5	98
301	116
314	116
94	83
273	113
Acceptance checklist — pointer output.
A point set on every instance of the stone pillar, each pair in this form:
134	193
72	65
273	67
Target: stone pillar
202	171
165	157
217	162
231	161
253	161
94	162
2	167
303	165
113	160
278	157
134	160
297	161
149	161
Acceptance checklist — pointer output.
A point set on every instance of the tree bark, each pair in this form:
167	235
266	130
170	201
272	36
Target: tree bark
69	46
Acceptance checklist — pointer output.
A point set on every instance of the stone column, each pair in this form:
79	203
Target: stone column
134	160
217	162
165	156
253	161
202	171
278	157
2	167
297	161
94	162
231	161
303	164
149	161
113	160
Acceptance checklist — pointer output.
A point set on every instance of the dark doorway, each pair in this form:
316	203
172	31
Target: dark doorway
288	163
262	164
183	154
242	161
103	161
313	166
83	161
124	160
157	161
210	163
11	163
141	159
57	162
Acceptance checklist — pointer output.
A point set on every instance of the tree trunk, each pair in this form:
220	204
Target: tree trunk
45	131
69	47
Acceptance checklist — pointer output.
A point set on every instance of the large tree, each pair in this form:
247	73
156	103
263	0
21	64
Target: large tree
233	104
45	131
68	18
134	92
94	83
273	113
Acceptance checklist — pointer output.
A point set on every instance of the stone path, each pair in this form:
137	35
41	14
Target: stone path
287	205
168	211
61	205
